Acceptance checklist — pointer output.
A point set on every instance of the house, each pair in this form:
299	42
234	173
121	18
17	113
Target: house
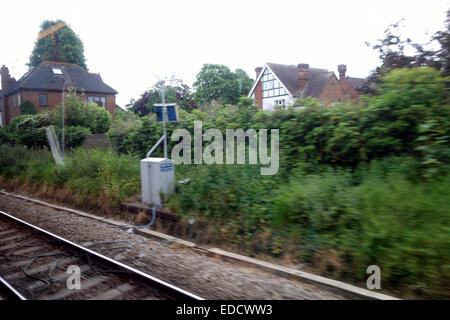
43	86
280	85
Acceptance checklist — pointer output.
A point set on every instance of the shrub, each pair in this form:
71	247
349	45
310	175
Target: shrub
88	115
5	136
89	174
13	160
122	124
408	99
405	230
381	213
75	135
81	120
29	130
27	107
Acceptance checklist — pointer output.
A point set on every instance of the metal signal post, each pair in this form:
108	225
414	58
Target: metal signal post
164	110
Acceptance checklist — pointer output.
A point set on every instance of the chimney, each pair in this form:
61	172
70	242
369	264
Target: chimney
303	75
5	78
258	71
342	68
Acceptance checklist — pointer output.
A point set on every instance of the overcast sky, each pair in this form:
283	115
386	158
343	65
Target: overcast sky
127	42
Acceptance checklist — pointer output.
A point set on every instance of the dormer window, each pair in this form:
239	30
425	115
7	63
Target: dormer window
57	70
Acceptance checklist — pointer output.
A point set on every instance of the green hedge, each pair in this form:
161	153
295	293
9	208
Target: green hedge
409	117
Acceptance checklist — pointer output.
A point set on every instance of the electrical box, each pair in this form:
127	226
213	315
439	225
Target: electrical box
157	175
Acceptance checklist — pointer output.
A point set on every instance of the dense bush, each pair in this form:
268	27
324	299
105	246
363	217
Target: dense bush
408	99
410	116
405	229
88	115
13	160
351	188
374	215
29	130
27	107
137	136
5	136
88	174
121	125
81	119
74	136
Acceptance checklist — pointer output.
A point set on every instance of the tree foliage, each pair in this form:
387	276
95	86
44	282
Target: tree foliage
180	94
245	83
69	47
396	51
218	82
408	98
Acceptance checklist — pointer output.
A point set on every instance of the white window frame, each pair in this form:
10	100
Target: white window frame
96	99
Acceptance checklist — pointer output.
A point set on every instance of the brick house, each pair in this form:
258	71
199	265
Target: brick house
43	86
280	85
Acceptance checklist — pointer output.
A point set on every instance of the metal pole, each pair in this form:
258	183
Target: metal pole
62	121
154	147
164	120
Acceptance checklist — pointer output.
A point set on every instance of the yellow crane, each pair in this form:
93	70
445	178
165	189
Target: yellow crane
51	31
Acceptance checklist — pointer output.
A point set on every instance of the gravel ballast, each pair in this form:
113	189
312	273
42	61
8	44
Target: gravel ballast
204	276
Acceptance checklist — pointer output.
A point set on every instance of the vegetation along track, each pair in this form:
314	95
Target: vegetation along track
34	264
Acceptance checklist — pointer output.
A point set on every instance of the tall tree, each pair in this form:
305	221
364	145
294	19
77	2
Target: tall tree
69	47
443	54
218	82
394	52
245	83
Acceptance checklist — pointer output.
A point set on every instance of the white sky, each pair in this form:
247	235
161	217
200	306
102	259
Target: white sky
129	41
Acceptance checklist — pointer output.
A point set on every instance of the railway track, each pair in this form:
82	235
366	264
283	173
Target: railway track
36	264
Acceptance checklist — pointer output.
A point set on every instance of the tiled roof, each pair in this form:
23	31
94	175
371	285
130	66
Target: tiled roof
316	84
356	82
43	78
288	75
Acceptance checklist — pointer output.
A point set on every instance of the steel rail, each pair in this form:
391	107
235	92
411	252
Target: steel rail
11	289
134	271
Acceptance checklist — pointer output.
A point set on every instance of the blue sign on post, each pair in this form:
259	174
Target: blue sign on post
159	114
171	112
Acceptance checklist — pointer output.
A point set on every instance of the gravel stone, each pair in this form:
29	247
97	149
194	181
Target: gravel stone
204	276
